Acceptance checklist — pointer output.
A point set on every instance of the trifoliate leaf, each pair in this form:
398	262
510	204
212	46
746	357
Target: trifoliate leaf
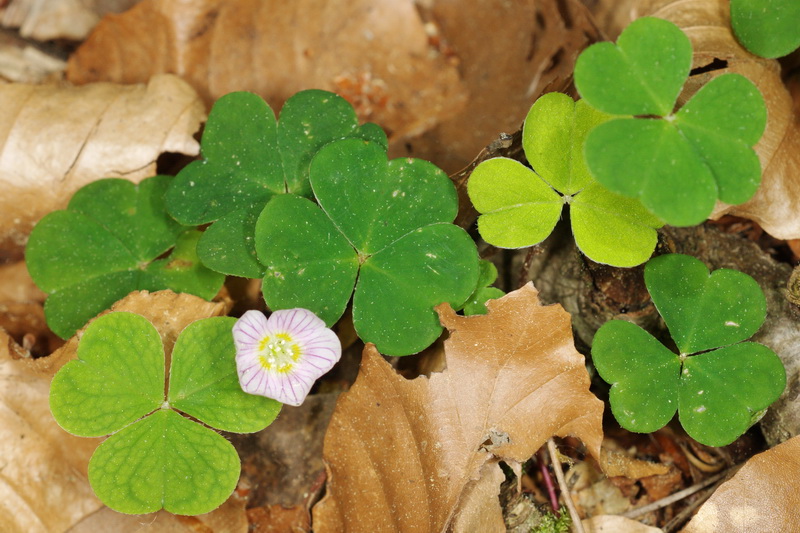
248	158
519	206
678	165
768	28
155	458
105	245
388	218
719	385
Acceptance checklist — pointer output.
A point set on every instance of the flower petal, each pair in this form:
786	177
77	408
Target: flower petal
286	371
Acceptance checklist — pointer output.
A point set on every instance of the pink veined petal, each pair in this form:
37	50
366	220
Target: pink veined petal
250	329
320	349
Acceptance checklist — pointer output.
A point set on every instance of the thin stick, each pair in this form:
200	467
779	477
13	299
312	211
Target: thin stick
672	498
679	519
548	482
577	526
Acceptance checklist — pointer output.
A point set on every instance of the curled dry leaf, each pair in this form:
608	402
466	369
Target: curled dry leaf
97	131
420	448
762	496
44	486
377	55
776	204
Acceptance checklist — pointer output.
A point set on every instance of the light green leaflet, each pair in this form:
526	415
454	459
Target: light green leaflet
719	385
156	457
105	245
248	157
520	207
677	163
381	226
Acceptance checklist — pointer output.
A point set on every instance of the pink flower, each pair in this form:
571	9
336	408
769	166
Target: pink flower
281	357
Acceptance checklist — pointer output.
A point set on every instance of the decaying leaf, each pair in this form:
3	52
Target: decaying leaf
532	50
419	448
377	55
44	486
762	496
57	19
776	204
100	130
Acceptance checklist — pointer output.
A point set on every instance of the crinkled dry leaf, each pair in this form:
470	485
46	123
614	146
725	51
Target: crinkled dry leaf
57	139
513	380
377	55
776	205
44	486
532	50
57	19
762	496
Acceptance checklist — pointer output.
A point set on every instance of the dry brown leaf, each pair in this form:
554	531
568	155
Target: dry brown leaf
764	495
616	524
405	455
44	485
44	20
509	53
776	205
376	54
56	139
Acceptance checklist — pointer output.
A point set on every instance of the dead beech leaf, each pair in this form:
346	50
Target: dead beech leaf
376	54
44	20
532	50
776	204
406	455
43	487
762	496
55	140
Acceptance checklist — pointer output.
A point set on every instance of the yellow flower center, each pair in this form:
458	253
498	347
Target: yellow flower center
279	353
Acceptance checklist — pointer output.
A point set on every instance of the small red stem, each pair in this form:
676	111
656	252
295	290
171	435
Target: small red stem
548	481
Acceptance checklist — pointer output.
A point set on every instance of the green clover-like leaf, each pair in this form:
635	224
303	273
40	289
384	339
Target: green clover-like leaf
105	245
155	458
520	207
476	303
719	385
768	28
642	74
677	164
248	157
388	220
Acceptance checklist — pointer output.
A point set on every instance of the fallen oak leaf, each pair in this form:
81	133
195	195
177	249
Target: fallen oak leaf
513	379
97	131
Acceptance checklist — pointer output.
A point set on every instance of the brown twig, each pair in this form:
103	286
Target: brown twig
672	498
577	526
